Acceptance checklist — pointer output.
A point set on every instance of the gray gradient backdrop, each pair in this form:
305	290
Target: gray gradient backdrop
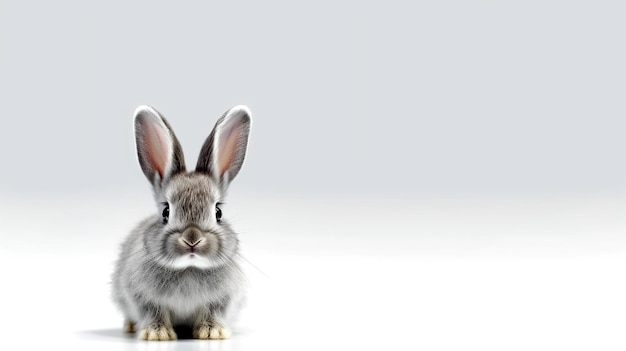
443	175
388	99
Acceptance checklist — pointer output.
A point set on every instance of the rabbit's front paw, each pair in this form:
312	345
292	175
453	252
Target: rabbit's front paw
157	332
213	332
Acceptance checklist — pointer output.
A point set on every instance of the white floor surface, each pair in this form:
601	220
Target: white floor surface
342	275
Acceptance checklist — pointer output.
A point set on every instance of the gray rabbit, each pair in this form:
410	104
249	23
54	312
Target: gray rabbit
179	266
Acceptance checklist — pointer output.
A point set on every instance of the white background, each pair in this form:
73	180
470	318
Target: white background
436	176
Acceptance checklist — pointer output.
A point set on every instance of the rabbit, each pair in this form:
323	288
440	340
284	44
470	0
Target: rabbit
179	266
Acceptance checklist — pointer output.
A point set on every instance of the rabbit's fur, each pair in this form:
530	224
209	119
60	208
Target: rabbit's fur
180	267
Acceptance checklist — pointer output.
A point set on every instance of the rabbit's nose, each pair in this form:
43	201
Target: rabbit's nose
191	244
191	236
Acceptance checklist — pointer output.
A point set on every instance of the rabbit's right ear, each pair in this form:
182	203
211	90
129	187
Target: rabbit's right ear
159	152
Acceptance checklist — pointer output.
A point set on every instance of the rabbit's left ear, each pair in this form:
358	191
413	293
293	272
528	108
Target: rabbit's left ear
224	150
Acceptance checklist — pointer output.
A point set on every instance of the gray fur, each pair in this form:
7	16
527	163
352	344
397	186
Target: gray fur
156	282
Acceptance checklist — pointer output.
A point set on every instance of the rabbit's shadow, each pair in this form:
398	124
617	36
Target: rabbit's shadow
117	334
185	342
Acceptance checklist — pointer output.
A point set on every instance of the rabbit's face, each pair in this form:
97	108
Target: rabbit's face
190	231
193	232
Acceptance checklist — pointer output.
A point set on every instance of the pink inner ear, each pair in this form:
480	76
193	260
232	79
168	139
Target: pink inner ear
228	143
157	143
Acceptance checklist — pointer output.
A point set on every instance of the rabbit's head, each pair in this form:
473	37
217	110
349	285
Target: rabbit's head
188	228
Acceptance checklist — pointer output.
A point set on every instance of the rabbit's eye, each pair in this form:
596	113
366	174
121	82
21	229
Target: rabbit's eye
166	213
218	213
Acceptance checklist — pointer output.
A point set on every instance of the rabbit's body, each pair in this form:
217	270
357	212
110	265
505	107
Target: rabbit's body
179	266
138	281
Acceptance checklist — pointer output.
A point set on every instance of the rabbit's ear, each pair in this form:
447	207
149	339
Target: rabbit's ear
224	150
158	150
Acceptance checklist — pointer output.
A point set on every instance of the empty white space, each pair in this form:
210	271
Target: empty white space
487	275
